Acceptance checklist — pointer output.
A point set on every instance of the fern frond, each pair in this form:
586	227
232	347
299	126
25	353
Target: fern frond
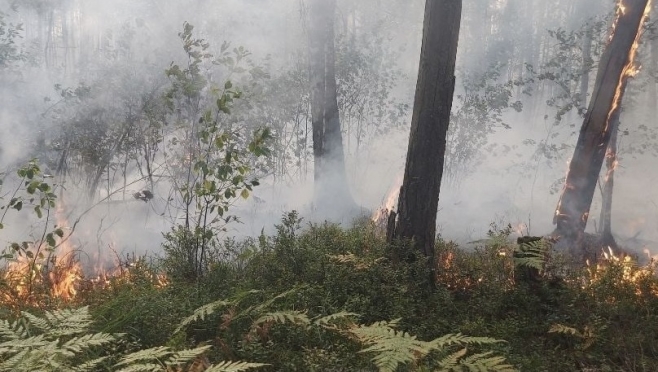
326	320
393	348
202	312
147	355
450	362
459	339
144	367
294	317
16	345
186	356
532	254
78	344
234	366
41	324
12	330
89	365
70	318
487	363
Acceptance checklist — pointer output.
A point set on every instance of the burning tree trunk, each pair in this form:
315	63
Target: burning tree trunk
615	67
329	174
419	194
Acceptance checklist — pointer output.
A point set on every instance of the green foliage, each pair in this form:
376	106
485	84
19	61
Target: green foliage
55	342
60	341
213	161
532	254
394	348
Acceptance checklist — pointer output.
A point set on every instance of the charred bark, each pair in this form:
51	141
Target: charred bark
329	173
615	67
419	194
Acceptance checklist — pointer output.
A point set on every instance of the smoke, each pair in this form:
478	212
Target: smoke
121	49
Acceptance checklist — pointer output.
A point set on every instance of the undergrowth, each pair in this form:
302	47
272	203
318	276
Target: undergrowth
317	297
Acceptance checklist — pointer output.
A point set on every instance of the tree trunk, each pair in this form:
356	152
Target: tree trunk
329	174
587	63
615	66
607	240
419	194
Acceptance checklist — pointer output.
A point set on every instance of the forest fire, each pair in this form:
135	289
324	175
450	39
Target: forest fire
597	138
631	69
381	215
44	273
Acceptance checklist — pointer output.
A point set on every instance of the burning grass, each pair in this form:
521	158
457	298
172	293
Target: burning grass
56	281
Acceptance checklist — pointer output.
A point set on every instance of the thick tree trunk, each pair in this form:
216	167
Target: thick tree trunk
419	194
329	174
615	66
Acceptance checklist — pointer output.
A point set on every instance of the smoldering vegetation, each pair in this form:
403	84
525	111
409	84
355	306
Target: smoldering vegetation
104	94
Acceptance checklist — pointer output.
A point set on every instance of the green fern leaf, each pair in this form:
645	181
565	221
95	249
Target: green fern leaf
89	366
450	362
147	355
485	362
459	339
294	317
12	330
326	320
234	366
186	356
202	312
79	344
392	348
145	367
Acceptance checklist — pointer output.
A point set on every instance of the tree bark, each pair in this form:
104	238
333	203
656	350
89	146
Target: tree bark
329	173
615	66
419	194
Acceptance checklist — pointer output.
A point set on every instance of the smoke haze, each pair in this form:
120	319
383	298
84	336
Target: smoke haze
508	165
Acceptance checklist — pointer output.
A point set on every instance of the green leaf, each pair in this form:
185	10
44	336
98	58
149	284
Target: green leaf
50	239
244	194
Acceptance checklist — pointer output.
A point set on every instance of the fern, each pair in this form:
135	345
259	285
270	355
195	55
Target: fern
394	348
202	312
49	343
451	362
459	339
234	366
294	317
483	362
60	340
532	254
184	356
326	321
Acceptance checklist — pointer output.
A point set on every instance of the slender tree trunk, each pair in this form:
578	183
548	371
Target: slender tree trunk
329	174
419	194
615	66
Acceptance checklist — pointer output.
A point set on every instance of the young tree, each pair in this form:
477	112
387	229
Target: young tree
329	174
615	67
419	194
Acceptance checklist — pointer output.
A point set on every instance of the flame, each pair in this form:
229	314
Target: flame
630	69
381	214
56	275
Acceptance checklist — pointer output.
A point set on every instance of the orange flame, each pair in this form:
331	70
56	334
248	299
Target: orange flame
58	275
389	202
630	69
